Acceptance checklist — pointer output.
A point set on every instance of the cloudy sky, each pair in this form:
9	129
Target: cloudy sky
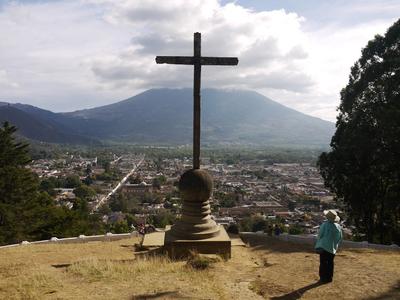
65	55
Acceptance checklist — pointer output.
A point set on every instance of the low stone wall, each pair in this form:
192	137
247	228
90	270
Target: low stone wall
108	237
311	239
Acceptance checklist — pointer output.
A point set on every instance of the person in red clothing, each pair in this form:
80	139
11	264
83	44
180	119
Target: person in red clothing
142	229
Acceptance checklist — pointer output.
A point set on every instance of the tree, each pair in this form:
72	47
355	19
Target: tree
104	209
24	210
226	199
17	184
81	205
119	202
363	166
120	227
72	181
48	185
85	192
162	219
253	223
27	213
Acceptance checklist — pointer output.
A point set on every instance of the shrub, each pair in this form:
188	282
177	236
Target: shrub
295	229
201	262
233	228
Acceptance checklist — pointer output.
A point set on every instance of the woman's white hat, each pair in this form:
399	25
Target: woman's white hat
331	215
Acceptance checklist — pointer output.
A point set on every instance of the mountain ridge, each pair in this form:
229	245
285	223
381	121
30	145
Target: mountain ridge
40	130
165	116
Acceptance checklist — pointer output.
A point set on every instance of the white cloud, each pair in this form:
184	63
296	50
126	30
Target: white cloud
268	44
6	82
66	55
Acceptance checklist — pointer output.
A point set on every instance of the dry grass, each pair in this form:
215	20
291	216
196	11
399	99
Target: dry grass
267	269
105	270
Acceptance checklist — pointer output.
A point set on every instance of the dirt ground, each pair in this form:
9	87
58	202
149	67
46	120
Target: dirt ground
265	269
290	271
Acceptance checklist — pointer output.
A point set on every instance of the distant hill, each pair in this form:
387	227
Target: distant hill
165	116
40	125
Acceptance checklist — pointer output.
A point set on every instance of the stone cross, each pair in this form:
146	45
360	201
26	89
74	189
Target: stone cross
197	60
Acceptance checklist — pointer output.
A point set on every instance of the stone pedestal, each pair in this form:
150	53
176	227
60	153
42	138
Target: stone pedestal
196	230
180	248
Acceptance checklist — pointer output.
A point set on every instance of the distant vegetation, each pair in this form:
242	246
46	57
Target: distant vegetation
228	155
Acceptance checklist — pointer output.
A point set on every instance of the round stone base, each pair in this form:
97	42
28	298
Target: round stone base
195	187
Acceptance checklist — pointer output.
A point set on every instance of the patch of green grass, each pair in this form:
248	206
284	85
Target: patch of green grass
201	262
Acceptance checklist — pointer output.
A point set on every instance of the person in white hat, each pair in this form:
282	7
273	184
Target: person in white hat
329	237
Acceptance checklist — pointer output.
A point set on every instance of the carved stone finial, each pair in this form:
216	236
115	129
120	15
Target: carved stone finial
195	186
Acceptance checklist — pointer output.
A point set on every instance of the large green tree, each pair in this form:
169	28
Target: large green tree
22	206
26	212
363	166
17	185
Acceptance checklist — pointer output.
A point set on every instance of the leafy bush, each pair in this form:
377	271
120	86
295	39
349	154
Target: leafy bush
295	229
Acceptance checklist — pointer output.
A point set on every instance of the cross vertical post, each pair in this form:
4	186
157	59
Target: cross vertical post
196	100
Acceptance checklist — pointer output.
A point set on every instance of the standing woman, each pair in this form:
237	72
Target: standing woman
329	237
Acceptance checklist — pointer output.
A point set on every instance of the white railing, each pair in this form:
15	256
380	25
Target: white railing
311	239
301	239
80	239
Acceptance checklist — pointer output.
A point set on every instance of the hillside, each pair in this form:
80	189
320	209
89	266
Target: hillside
266	269
164	116
40	125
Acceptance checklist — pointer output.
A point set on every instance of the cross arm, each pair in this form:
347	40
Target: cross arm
176	60
220	61
204	60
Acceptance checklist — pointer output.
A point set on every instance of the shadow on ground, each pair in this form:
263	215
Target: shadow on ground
66	265
393	293
273	245
128	246
160	295
297	293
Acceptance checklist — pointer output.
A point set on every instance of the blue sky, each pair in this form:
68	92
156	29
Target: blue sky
71	54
